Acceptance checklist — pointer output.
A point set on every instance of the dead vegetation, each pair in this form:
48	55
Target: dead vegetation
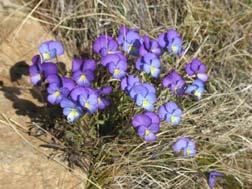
220	34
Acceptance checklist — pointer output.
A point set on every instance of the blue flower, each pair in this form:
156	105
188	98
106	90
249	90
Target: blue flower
147	125
116	64
149	46
197	88
170	112
150	64
39	71
51	49
87	97
172	41
71	110
175	82
58	88
212	176
83	71
104	45
186	145
102	101
130	40
196	68
145	96
128	82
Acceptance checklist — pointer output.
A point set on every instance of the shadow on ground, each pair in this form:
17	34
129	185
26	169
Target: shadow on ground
40	114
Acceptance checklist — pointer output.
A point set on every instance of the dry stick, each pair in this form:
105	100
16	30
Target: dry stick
8	123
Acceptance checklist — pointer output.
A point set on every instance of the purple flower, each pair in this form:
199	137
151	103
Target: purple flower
172	41
51	49
174	82
83	71
130	40
71	110
149	46
145	96
116	63
212	176
87	97
150	64
59	89
106	60
197	88
141	88
102	101
38	72
104	45
147	125
196	68
128	82
186	145
170	112
81	64
106	90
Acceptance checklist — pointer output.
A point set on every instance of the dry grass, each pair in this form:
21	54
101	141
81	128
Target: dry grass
219	33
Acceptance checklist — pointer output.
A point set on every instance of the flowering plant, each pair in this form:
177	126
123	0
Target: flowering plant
135	65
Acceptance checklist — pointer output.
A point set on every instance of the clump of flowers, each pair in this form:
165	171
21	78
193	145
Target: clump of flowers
136	63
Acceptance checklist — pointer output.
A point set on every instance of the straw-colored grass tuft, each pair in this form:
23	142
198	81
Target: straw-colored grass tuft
217	32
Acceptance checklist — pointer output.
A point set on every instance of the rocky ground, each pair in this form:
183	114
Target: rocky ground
24	164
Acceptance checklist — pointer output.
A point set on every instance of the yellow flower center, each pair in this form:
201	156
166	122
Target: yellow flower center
152	69
46	56
83	77
87	105
73	113
131	48
145	103
174	48
197	93
147	132
188	151
116	71
99	100
173	118
57	93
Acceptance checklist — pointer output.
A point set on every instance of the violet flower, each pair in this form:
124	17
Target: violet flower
71	110
145	96
102	101
197	88
87	97
129	82
172	41
149	46
170	112
38	71
51	49
147	125
83	71
212	176
196	68
116	64
150	64
59	89
174	82
130	40
104	45
186	145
